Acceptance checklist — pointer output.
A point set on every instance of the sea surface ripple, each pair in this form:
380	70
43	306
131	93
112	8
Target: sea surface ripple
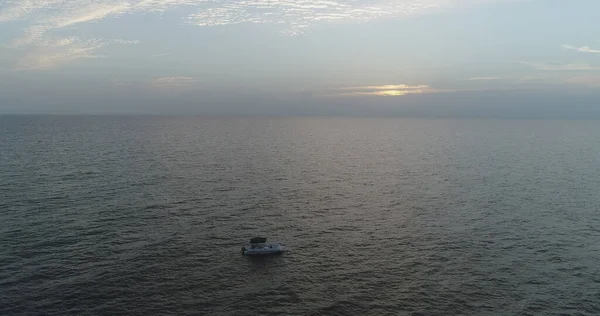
104	215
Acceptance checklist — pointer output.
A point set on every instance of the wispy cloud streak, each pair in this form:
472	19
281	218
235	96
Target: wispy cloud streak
589	81
483	78
561	67
53	53
583	49
160	55
49	54
176	82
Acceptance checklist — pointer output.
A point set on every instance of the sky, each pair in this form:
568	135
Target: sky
522	58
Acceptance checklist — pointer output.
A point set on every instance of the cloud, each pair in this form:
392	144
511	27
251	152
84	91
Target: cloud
61	14
119	82
160	84
162	5
560	79
297	16
561	67
483	78
173	82
126	42
39	48
388	90
20	9
46	20
50	54
88	13
589	81
583	49
44	16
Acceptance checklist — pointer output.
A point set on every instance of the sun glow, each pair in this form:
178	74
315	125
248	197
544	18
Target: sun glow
389	90
390	93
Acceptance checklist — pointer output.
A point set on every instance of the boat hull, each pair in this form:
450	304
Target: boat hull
263	251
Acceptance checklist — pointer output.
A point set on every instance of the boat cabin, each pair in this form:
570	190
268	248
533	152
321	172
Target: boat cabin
259	246
258	242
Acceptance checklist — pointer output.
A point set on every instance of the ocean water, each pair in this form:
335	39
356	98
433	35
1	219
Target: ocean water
105	215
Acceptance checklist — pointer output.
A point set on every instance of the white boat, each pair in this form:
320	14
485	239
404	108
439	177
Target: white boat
258	246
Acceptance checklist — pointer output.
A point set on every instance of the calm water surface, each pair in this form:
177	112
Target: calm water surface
146	216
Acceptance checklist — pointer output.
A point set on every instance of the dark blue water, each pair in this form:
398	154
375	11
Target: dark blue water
146	216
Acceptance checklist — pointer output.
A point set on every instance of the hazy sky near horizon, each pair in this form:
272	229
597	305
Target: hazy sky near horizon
300	57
